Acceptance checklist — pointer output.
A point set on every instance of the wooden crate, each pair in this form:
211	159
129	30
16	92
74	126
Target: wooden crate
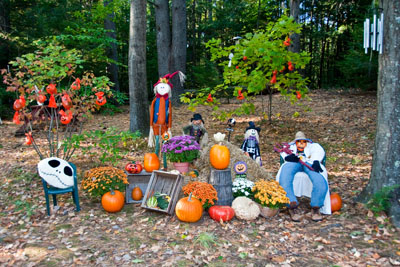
136	179
164	183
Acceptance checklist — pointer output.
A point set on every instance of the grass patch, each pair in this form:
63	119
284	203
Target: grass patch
206	240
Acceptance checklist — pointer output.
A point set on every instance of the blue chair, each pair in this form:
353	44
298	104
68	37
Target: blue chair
49	190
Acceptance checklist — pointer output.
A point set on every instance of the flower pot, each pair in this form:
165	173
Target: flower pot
267	212
182	167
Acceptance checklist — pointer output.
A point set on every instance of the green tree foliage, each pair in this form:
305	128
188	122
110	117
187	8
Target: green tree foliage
259	61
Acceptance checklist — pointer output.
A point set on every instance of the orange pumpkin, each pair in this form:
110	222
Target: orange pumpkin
219	157
151	162
336	202
137	193
113	201
189	209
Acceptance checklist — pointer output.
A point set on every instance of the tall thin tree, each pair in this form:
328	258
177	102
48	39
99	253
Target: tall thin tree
138	96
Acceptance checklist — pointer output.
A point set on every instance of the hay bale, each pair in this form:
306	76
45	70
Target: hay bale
254	171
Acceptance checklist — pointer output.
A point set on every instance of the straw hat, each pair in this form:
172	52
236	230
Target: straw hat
301	136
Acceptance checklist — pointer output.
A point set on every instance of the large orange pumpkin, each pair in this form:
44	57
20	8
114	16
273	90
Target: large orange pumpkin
151	162
219	157
113	201
336	202
189	209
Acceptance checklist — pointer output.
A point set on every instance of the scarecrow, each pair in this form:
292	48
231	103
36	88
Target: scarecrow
303	156
161	111
250	144
196	129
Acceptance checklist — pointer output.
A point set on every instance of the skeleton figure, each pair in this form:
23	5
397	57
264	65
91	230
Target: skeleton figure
250	144
56	172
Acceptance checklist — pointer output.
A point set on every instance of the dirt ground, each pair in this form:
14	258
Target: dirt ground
343	122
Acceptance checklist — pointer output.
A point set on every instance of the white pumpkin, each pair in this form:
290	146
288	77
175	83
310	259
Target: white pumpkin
245	208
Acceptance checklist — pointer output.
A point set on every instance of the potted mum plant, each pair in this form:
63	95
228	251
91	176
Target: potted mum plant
242	187
270	196
181	151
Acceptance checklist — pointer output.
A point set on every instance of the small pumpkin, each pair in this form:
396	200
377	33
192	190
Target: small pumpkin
189	209
224	213
336	202
151	162
137	193
113	201
219	157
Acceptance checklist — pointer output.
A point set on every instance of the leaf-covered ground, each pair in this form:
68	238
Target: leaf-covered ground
343	122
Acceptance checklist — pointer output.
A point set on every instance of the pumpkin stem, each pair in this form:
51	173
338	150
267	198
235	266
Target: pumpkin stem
190	197
112	192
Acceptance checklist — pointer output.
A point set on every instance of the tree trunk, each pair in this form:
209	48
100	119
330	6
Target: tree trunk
112	68
163	37
295	38
138	100
4	28
386	160
179	42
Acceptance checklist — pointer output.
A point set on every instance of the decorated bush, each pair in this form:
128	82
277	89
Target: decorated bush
52	98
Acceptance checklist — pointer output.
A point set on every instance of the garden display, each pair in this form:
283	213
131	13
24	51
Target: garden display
251	141
336	202
113	201
100	180
181	151
189	209
204	192
245	208
221	213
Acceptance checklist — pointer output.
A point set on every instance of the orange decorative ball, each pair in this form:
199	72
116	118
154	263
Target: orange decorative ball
219	157
336	202
151	162
137	193
189	209
113	201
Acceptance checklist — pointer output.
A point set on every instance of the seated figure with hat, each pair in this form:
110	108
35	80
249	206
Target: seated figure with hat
305	156
196	129
250	144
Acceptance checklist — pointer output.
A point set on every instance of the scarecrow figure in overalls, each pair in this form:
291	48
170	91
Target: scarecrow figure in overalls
161	112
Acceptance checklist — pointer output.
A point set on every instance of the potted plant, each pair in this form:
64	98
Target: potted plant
181	150
203	191
242	187
101	180
270	196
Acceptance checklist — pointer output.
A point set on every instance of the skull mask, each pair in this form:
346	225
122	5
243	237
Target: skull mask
56	172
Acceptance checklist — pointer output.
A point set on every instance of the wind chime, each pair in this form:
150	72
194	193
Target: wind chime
373	34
